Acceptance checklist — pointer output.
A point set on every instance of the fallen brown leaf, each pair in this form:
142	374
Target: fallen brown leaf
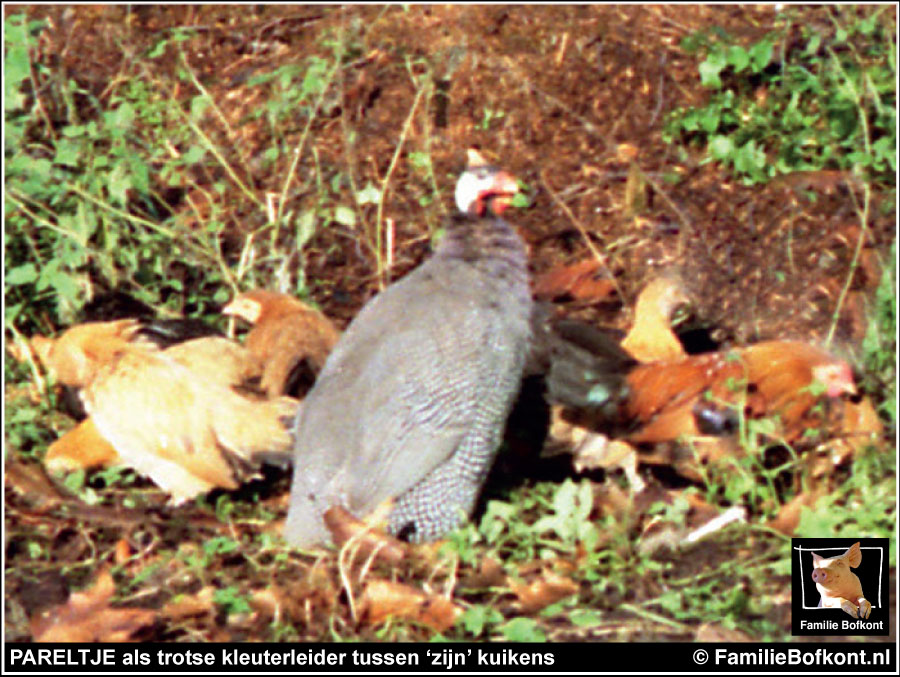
710	632
582	281
122	551
651	337
489	575
549	588
87	617
367	539
861	424
32	484
386	599
788	517
189	606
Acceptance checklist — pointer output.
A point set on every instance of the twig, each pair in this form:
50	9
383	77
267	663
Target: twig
597	254
387	177
662	85
298	151
656	618
24	348
343	563
854	263
682	217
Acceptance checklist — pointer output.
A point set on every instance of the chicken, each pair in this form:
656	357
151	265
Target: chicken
187	433
172	415
286	333
81	349
597	391
650	337
663	394
219	360
667	399
83	447
75	356
412	401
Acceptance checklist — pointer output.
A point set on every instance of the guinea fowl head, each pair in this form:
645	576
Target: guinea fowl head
484	188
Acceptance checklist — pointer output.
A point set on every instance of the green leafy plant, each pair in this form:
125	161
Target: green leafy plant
231	601
880	343
827	101
477	619
522	630
569	516
119	193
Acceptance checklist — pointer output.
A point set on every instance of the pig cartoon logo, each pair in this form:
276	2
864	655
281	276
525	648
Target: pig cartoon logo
839	586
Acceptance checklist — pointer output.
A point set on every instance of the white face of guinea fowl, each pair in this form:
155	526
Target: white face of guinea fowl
479	183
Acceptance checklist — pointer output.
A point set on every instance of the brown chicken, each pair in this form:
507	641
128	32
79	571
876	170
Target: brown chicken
286	334
669	399
650	337
82	447
669	395
75	356
172	415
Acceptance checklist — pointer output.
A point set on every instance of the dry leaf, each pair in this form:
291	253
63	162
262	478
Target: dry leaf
861	424
611	499
87	617
711	632
626	152
651	337
788	517
367	539
188	606
386	599
549	588
490	575
582	281
30	482
122	551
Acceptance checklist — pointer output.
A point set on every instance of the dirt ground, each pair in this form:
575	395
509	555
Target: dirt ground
567	98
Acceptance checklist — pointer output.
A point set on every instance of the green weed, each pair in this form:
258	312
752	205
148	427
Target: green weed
825	101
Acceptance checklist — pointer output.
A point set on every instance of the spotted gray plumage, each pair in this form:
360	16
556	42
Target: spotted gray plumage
412	402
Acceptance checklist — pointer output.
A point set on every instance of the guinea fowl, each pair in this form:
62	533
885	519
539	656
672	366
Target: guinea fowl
412	401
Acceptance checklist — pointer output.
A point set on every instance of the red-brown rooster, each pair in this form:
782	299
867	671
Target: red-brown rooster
670	396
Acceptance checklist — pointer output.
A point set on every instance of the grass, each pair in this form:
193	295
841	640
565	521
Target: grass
780	105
